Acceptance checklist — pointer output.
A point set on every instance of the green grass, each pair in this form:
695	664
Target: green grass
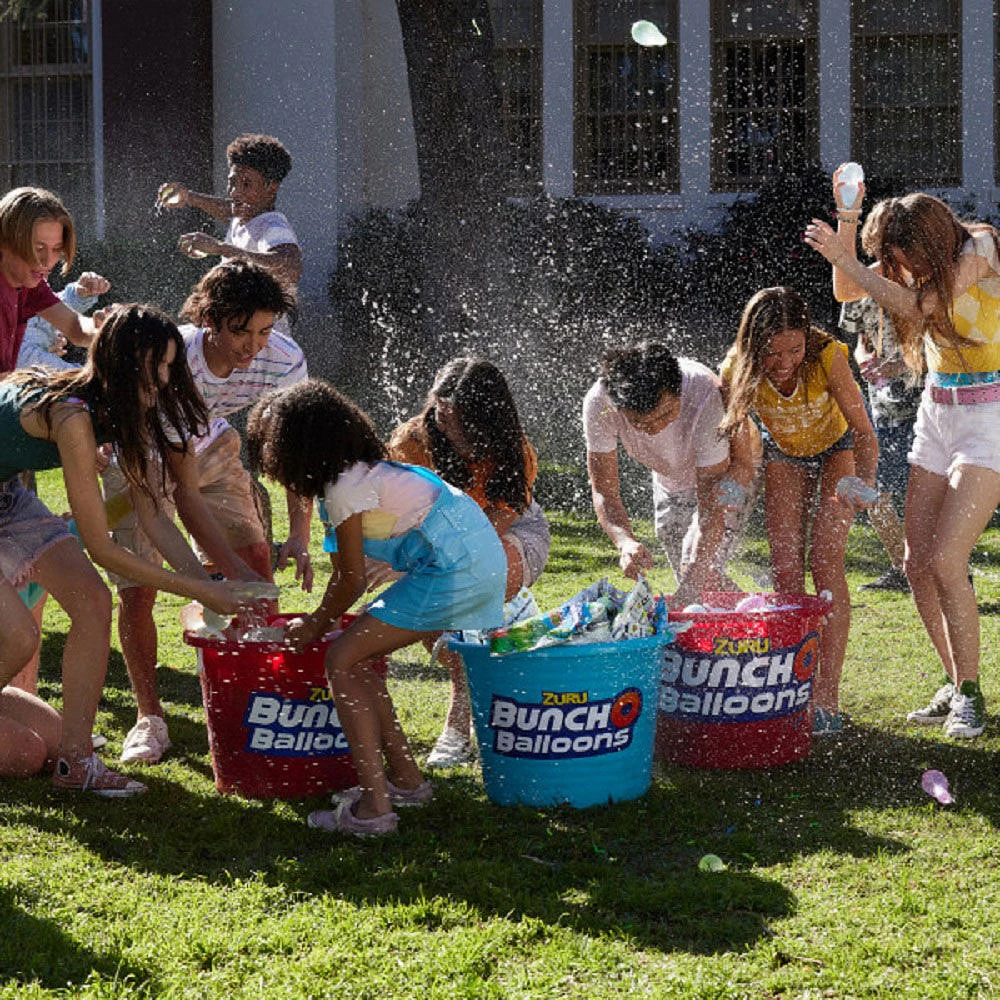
843	879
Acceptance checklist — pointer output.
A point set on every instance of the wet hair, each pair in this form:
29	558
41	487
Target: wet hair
20	209
931	237
636	376
234	291
306	435
121	363
769	312
488	414
262	153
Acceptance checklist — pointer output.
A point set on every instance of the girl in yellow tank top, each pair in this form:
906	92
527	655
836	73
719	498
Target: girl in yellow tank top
797	380
939	280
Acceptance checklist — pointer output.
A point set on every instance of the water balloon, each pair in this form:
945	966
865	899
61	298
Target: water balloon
852	175
935	784
711	863
647	34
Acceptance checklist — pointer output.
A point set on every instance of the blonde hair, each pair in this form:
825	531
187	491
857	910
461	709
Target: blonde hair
20	209
931	237
770	311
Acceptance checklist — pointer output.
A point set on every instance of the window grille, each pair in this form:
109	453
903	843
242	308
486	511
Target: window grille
765	90
906	90
626	115
46	105
517	43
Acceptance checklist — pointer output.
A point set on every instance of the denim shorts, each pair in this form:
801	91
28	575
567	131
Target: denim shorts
531	536
27	529
814	463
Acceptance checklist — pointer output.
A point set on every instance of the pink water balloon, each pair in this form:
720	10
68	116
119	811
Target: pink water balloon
935	784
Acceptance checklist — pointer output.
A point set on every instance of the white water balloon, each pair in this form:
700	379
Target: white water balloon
647	34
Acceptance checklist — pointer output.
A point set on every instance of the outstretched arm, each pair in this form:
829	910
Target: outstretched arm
633	556
173	194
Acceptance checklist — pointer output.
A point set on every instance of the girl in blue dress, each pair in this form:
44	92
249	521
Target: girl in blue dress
317	443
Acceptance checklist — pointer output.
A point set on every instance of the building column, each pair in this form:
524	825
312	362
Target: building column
978	139
834	84
694	98
557	98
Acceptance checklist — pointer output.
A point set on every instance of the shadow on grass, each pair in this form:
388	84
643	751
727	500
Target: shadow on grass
35	950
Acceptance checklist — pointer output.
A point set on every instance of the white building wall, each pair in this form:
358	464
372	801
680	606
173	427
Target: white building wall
282	82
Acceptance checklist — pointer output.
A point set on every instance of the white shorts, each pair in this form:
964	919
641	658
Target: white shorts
947	436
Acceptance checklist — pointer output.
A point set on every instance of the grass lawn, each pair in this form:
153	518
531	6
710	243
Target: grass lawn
843	878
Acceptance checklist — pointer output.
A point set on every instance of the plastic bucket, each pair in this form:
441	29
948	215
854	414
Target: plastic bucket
273	731
736	689
566	724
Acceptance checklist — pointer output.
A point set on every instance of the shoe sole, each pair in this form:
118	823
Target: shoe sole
927	720
967	734
104	793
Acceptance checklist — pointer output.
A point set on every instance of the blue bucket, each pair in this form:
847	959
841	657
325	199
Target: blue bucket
566	724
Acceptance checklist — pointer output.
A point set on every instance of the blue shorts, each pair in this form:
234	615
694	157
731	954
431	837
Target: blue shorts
772	453
456	572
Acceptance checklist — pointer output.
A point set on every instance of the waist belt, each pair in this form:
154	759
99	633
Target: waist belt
964	395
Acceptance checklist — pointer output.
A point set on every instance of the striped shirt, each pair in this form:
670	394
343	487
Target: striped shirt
281	363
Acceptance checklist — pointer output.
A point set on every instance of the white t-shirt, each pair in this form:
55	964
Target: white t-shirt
258	235
392	499
281	363
689	443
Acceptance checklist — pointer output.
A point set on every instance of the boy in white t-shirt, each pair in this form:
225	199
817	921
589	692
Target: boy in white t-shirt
257	232
665	412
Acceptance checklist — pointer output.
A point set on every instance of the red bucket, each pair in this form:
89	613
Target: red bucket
273	730
736	687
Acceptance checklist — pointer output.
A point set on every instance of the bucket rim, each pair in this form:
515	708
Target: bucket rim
570	648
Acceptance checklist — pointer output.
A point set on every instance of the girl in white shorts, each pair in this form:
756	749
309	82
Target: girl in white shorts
939	280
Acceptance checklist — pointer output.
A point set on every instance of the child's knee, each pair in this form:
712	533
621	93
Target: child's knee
26	755
18	642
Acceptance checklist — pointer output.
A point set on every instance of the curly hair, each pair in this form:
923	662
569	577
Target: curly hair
930	236
234	291
306	435
770	311
636	376
20	209
262	153
488	415
116	381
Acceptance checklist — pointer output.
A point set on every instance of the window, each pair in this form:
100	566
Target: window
906	90
46	105
517	46
626	131
765	90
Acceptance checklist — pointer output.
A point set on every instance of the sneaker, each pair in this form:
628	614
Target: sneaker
935	713
97	741
401	798
147	741
92	775
827	722
967	717
452	749
892	579
343	820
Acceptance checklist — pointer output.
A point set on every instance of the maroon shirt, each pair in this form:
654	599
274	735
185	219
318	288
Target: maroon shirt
17	306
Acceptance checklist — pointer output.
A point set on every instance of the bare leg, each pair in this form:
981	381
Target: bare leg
66	572
889	529
27	679
366	711
29	733
18	637
787	494
828	541
966	507
137	635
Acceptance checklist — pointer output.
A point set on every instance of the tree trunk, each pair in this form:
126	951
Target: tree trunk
461	157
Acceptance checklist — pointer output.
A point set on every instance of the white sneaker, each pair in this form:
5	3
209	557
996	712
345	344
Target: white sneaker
452	749
147	741
936	712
